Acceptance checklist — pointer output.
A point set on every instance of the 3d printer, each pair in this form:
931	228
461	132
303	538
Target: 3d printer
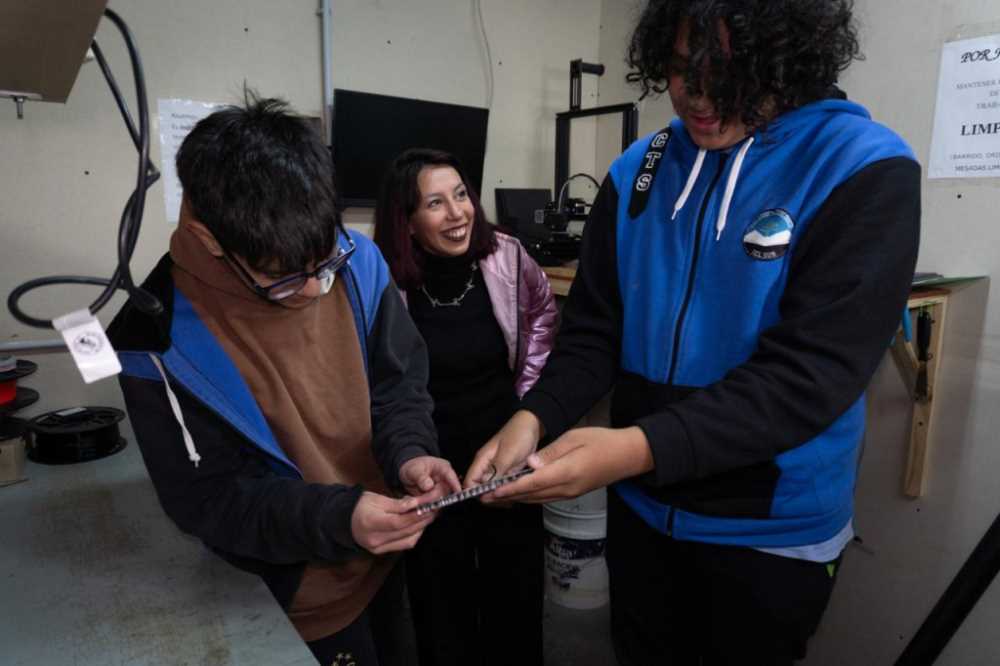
540	222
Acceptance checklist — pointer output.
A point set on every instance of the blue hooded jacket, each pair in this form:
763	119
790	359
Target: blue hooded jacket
752	292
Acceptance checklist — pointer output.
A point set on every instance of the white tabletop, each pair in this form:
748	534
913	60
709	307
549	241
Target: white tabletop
93	572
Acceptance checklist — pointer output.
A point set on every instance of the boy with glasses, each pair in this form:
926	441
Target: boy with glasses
279	399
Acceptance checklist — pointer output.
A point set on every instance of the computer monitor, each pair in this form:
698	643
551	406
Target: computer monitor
516	206
370	130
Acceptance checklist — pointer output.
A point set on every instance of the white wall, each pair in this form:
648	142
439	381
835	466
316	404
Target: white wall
66	170
916	546
618	17
920	545
433	49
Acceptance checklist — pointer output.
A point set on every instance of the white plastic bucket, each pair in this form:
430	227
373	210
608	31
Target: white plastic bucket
576	575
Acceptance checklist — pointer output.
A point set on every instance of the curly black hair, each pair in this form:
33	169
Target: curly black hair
783	53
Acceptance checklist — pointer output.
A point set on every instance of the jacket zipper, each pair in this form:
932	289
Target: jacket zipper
517	318
670	521
679	325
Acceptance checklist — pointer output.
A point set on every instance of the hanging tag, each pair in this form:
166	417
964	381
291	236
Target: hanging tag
90	347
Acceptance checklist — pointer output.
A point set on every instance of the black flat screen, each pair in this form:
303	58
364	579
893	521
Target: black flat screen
369	130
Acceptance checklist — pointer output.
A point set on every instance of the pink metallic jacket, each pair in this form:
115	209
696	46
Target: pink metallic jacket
524	307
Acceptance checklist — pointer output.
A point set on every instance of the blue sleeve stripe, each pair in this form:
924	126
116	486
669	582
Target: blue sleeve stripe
372	276
138	365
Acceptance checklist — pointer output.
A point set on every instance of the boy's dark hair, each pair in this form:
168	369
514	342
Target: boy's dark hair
260	179
784	53
399	198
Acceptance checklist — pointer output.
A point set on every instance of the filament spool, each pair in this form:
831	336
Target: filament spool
13	398
77	434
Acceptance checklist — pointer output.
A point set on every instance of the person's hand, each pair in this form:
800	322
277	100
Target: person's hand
507	450
428	478
580	461
382	524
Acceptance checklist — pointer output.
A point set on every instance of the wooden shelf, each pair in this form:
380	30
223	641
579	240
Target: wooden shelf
905	356
560	278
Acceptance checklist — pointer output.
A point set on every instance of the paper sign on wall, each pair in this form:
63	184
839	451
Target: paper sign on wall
966	140
177	117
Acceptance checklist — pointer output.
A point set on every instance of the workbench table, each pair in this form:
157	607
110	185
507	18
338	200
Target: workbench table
93	572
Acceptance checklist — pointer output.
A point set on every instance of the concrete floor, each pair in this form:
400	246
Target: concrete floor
577	637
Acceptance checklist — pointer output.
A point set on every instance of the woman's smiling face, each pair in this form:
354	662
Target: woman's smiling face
442	223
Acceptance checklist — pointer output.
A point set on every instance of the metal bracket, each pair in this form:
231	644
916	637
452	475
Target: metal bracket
918	363
19	99
577	68
24	347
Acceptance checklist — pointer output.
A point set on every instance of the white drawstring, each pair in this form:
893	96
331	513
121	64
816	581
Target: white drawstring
727	198
176	407
692	177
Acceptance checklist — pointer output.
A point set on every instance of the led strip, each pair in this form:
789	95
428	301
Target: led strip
469	493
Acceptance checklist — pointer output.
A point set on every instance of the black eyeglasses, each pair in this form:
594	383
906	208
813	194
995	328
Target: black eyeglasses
286	287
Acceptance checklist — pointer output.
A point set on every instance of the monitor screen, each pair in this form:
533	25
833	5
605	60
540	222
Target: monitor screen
370	130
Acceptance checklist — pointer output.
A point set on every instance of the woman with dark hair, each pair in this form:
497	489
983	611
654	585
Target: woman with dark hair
740	274
486	312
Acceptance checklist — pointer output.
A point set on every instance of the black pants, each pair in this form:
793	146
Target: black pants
476	585
381	636
687	603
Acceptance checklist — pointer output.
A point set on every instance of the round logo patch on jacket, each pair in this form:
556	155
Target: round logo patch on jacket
768	235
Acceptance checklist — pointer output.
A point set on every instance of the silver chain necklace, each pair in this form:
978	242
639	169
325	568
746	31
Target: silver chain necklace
455	302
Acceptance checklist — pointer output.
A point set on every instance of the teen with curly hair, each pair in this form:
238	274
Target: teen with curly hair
741	274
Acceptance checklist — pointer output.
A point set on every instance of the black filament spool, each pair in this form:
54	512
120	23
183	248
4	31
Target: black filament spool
74	435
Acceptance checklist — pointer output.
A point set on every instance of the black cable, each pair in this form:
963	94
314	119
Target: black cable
562	190
152	173
116	91
30	285
131	219
958	600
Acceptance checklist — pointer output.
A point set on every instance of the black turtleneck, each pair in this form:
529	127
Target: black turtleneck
470	381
